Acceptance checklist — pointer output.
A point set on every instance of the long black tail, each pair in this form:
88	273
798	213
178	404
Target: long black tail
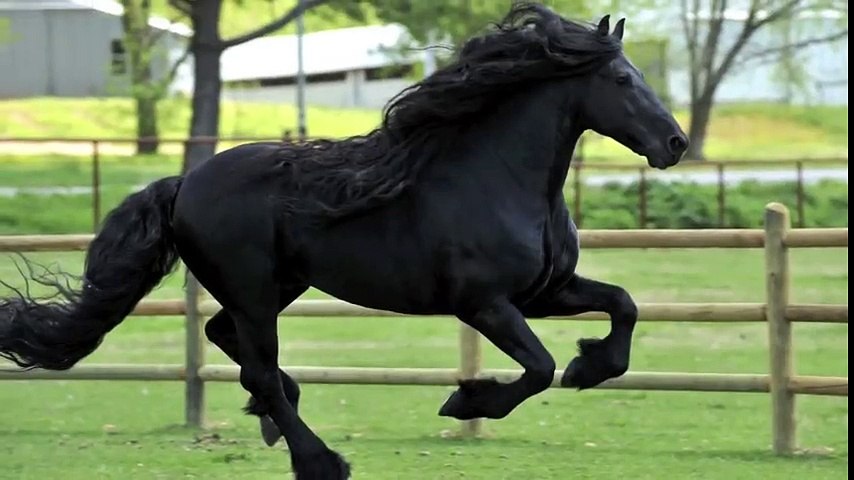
128	258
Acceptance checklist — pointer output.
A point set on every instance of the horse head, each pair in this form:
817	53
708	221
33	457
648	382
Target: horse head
618	103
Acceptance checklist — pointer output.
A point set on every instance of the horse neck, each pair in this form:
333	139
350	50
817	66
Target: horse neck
537	143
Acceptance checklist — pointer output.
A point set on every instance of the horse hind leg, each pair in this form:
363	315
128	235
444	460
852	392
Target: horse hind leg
256	320
221	331
246	287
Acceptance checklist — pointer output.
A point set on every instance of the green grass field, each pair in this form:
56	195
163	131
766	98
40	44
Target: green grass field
737	132
132	430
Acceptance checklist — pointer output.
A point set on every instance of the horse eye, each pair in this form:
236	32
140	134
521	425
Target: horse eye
623	79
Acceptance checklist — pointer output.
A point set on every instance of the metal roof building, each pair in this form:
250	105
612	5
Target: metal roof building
72	48
327	51
346	67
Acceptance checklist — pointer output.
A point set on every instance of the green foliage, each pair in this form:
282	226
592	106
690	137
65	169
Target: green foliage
241	16
688	205
452	22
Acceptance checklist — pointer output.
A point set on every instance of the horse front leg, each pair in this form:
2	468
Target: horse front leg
503	325
598	359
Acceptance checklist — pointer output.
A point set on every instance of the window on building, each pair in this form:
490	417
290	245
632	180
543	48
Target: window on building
118	59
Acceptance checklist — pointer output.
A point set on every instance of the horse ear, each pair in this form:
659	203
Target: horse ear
604	25
618	29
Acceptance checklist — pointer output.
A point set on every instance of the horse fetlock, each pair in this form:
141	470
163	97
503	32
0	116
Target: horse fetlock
255	407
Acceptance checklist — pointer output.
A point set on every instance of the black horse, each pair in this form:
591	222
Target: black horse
453	206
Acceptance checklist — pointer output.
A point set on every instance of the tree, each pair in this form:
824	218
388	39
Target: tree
711	57
451	22
454	20
206	47
140	45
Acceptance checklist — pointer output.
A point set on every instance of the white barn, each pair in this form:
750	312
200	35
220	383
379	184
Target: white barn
348	67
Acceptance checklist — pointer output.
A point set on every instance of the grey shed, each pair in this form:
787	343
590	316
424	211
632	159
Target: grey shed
72	48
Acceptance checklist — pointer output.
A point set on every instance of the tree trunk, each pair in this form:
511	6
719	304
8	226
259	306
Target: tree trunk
146	125
138	43
701	110
146	113
206	91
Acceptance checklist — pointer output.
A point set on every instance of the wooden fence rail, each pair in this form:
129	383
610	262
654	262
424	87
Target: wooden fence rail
665	238
781	382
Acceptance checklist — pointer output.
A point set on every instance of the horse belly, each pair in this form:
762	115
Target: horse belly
377	274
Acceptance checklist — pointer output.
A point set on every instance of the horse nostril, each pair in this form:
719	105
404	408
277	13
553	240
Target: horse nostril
677	144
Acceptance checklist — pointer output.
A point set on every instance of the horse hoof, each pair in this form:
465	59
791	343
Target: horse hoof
472	400
323	465
269	430
574	376
456	406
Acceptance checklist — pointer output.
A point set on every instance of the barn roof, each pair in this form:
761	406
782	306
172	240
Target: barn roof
325	51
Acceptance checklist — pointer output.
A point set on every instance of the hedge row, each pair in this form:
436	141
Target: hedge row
690	205
612	206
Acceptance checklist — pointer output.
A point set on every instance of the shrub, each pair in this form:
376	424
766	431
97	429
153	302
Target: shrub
690	205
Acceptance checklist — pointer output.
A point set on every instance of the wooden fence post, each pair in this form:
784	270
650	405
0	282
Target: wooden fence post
779	329
576	182
642	198
96	187
721	196
194	392
470	362
800	194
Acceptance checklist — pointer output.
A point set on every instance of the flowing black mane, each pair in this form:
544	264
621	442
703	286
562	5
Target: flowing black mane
529	45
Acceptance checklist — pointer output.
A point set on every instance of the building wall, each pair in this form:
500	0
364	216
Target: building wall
353	92
25	66
63	53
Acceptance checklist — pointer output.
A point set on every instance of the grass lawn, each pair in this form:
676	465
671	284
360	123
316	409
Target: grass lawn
132	430
755	132
114	118
737	132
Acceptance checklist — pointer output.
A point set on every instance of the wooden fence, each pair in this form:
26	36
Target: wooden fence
781	382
